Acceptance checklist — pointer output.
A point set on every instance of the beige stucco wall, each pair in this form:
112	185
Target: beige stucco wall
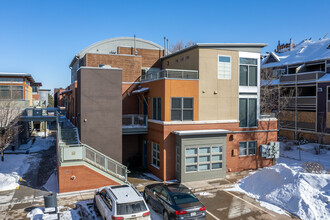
218	98
181	61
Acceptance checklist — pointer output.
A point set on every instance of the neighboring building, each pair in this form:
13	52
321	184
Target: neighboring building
190	115
43	97
17	87
35	90
303	69
58	98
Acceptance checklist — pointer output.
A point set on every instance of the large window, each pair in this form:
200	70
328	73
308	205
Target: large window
11	92
157	108
247	112
182	109
247	148
203	158
248	72
11	80
224	67
155	155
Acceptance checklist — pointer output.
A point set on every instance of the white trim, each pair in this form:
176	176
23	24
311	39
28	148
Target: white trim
192	122
248	96
248	89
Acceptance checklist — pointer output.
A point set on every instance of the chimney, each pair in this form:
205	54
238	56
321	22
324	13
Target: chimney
164	46
167	46
291	44
135	51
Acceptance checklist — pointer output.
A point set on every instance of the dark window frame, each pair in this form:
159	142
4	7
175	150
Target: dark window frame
157	111
247	148
248	71
182	108
248	113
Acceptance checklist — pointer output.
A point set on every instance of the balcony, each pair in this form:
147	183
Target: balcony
40	114
171	74
303	126
301	77
303	102
135	124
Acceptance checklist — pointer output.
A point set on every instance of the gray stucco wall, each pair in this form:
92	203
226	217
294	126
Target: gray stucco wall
100	110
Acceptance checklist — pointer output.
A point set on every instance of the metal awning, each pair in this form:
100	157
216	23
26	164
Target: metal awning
201	132
66	91
142	90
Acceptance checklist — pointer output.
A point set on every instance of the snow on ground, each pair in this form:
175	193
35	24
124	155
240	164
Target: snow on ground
15	165
83	210
42	144
12	169
286	186
52	184
151	176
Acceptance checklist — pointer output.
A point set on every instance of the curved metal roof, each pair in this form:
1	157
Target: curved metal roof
109	46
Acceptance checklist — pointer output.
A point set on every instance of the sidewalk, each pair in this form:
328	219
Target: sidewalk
140	180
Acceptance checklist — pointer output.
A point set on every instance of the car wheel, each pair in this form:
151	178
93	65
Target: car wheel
165	215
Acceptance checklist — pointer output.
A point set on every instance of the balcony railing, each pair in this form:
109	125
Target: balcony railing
303	102
171	74
301	77
135	124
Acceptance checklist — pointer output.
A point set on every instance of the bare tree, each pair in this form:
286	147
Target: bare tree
179	45
273	99
10	128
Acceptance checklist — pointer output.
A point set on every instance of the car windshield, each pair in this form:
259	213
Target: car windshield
184	197
131	208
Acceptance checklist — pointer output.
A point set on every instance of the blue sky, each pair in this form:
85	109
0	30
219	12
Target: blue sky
41	37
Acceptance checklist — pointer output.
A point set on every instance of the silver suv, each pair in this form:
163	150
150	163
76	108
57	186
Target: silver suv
121	202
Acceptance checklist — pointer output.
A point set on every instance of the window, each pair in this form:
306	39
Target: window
17	92
106	198
203	158
5	92
224	67
11	80
26	93
157	108
34	89
247	112
155	155
247	148
11	92
182	109
248	72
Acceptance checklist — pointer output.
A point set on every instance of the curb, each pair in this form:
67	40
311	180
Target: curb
207	188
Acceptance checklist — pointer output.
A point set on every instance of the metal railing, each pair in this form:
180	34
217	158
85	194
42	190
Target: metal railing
171	74
300	77
131	121
83	152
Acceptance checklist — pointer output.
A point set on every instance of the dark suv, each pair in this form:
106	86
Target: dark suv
174	201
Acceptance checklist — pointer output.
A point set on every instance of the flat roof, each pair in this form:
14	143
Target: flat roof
201	132
221	45
26	75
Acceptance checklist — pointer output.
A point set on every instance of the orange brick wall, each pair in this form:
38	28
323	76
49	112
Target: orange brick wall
162	135
131	65
130	101
150	58
76	178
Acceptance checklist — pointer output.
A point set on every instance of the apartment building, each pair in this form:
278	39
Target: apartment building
17	87
301	76
190	115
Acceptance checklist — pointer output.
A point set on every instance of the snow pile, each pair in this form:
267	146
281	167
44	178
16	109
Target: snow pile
11	170
303	194
36	213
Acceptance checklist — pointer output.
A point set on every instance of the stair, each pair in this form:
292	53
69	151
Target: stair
69	133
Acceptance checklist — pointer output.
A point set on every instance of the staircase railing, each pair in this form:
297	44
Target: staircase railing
83	152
